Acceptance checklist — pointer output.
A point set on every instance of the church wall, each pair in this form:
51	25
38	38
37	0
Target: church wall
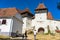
41	24
24	24
40	16
52	25
28	21
41	21
58	25
27	24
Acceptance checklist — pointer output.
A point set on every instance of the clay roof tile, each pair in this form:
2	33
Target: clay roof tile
41	6
26	10
5	12
49	16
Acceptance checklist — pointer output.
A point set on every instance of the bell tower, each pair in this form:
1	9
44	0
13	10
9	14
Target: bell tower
41	12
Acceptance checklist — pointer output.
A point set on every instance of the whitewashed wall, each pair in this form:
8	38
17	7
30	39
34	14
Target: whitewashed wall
17	23
42	24
24	24
40	21
57	24
27	24
33	22
5	29
40	16
52	25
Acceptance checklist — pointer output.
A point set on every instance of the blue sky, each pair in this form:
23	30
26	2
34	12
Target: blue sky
32	4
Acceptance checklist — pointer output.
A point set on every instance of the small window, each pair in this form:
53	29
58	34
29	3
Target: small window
3	21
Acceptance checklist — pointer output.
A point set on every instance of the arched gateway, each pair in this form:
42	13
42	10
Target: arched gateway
41	30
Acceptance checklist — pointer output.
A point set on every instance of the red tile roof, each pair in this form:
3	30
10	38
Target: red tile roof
41	6
4	12
25	10
49	16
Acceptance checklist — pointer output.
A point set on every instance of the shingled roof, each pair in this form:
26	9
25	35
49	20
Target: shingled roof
5	12
26	11
49	16
41	6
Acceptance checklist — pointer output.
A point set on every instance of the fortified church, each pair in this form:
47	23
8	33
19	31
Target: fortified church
13	20
42	21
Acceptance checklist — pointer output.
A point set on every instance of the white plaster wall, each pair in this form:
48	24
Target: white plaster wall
27	24
57	24
17	25
42	24
41	16
40	21
33	22
5	29
24	24
52	25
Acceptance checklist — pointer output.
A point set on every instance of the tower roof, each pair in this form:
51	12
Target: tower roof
41	6
49	16
26	11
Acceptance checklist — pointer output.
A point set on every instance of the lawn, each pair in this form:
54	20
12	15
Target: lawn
45	37
40	36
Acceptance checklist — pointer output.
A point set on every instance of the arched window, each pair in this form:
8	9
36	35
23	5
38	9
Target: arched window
3	21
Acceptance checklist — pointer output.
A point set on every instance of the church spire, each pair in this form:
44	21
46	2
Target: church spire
41	6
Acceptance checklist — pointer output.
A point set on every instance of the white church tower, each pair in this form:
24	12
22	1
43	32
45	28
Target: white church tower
41	12
41	18
27	18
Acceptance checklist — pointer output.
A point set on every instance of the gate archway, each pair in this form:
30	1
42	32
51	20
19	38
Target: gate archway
41	30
